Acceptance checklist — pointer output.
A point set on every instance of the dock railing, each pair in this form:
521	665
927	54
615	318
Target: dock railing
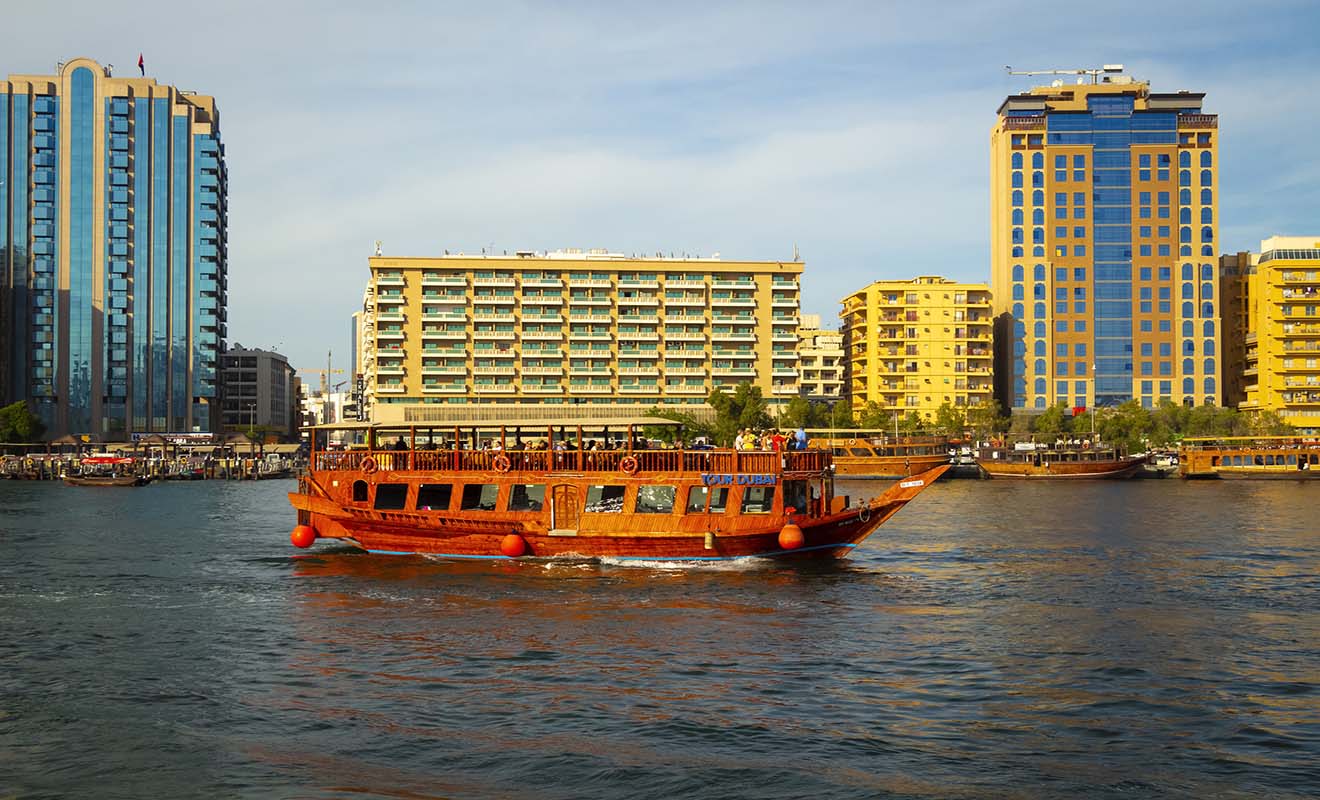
576	460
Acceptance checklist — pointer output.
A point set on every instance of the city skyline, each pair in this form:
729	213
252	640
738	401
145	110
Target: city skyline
834	130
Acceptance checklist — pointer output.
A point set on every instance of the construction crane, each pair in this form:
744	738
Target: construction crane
325	375
1107	69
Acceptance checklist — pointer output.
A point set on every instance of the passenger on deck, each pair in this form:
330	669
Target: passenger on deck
400	444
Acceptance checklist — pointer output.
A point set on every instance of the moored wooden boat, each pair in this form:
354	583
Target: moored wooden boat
679	505
868	454
1061	461
105	480
1250	458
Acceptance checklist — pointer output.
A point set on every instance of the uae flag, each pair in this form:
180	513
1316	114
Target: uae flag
142	65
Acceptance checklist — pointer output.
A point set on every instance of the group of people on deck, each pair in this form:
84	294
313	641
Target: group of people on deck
773	440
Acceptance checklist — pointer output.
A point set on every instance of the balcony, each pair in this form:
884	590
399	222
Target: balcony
685	337
749	372
738	284
494	388
390	336
449	335
687	389
542	370
597	319
639	371
671	283
444	388
784	373
590	301
494	281
448	370
493	300
598	336
784	321
488	317
393	370
589	283
390	280
494	335
783	390
638	336
589	370
738	302
449	316
676	371
649	355
391	300
447	280
542	283
588	388
653	302
589	352
683	319
735	336
629	283
688	300
493	370
392	316
542	388
542	300
444	351
784	302
390	388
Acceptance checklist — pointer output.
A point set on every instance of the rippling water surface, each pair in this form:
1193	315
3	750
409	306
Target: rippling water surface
996	639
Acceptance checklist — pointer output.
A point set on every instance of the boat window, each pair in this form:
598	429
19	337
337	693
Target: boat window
604	499
859	451
758	499
719	499
795	496
359	491
656	499
1292	460
840	451
391	496
434	496
527	497
1315	459
1269	461
480	496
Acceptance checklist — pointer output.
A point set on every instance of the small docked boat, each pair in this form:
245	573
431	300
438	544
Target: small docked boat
502	498
1250	458
872	454
105	470
1062	460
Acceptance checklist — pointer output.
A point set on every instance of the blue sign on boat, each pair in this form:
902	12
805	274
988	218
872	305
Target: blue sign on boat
715	479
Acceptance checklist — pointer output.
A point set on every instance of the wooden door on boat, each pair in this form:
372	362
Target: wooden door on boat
564	507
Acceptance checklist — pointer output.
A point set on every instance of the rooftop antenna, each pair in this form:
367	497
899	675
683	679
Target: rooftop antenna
1107	69
378	252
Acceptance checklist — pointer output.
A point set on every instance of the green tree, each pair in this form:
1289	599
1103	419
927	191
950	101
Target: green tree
876	416
950	420
985	420
799	413
689	428
841	415
911	423
1052	422
1127	425
1266	423
19	424
744	408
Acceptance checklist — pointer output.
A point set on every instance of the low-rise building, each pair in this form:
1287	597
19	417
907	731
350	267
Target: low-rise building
258	388
913	345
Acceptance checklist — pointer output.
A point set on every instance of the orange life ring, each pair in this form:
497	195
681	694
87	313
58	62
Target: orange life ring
628	465
369	465
501	463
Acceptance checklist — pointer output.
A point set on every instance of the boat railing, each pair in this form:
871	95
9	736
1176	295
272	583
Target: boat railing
638	461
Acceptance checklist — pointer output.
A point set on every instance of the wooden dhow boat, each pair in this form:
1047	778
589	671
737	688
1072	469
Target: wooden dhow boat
503	498
1290	458
105	470
1063	460
872	454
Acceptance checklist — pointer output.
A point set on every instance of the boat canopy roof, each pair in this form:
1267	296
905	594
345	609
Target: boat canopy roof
509	424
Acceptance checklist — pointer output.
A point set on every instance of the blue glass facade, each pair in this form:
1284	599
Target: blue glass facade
134	222
82	146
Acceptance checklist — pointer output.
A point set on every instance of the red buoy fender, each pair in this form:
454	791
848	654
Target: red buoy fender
791	537
303	536
629	465
501	463
369	465
513	545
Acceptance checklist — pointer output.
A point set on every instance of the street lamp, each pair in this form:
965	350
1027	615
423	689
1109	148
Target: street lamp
252	423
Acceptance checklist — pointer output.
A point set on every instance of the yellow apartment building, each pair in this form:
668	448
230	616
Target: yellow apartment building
820	360
914	345
1281	345
573	335
1104	224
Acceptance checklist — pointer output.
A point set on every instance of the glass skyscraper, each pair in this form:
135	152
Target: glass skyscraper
1104	223
112	252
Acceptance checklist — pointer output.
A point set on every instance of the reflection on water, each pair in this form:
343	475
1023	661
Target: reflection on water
995	639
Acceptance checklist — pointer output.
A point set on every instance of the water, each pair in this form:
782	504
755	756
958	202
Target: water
996	639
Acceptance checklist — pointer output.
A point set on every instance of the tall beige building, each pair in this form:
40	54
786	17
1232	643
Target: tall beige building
914	345
820	360
574	335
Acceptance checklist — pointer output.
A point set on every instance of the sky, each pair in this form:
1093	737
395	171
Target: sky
857	133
